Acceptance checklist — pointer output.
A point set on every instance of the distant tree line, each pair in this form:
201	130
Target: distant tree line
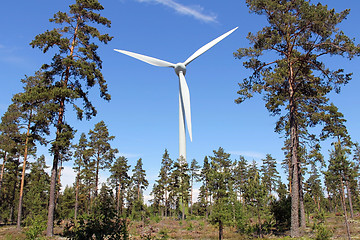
294	82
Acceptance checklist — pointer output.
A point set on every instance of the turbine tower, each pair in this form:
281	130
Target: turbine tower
184	94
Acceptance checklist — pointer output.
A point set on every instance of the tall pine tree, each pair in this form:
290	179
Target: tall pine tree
293	76
76	65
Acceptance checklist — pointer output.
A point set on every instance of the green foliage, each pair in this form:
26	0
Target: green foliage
102	152
66	202
163	234
241	220
139	178
281	210
322	233
35	227
36	189
221	185
287	69
103	223
98	227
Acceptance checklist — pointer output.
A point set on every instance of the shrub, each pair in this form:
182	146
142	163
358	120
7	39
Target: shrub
36	226
322	233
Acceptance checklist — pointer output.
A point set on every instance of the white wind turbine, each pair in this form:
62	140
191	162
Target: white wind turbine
184	95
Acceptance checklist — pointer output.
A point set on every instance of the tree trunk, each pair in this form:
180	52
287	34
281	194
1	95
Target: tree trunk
221	228
138	192
342	196
2	170
259	222
183	209
295	231
12	201
191	197
97	176
18	223
50	221
118	198
166	204
350	199
206	201
302	207
58	184
77	196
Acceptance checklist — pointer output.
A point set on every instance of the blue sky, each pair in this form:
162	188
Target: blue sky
143	112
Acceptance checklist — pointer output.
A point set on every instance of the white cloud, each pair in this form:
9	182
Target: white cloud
67	177
195	11
250	154
195	196
147	199
128	155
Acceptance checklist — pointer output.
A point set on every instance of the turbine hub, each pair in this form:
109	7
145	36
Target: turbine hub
180	67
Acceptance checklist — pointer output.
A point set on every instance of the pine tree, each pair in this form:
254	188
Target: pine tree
162	185
194	175
76	61
85	177
256	194
120	179
180	186
205	189
240	176
103	153
336	174
295	79
10	138
139	178
35	118
313	187
37	190
270	176
221	185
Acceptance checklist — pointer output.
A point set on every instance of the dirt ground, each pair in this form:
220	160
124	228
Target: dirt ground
198	229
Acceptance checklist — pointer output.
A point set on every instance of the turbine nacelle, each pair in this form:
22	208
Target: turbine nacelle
180	67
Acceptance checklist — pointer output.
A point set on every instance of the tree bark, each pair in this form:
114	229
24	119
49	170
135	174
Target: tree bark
118	198
294	159
12	201
2	170
58	184
54	172
77	196
342	195
350	199
221	228
97	176
302	207
295	196
191	201
50	222
18	223
259	222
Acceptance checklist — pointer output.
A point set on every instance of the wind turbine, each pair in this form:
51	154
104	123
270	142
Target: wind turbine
184	95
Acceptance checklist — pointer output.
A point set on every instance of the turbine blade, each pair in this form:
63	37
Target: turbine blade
150	60
207	47
185	98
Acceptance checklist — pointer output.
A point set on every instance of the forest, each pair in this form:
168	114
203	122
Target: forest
237	198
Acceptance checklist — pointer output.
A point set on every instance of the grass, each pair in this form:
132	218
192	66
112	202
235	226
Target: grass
200	229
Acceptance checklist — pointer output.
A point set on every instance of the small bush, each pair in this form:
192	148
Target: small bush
322	233
36	226
190	227
163	233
